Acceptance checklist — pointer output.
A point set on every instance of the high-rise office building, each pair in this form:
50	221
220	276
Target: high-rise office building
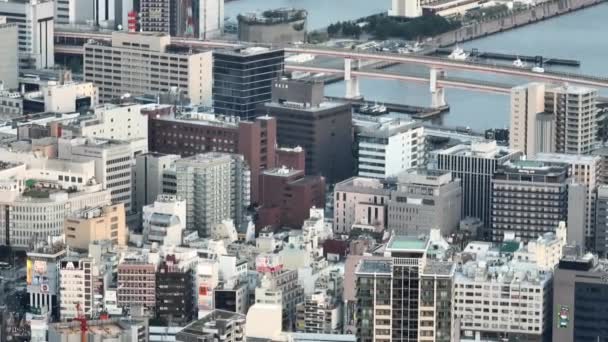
579	299
9	59
154	66
243	78
36	22
421	194
586	171
388	148
532	130
215	186
475	165
529	198
323	129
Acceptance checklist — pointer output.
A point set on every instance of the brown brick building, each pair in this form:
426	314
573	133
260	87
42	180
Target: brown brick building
193	133
291	158
286	196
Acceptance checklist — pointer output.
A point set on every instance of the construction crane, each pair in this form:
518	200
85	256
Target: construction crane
80	317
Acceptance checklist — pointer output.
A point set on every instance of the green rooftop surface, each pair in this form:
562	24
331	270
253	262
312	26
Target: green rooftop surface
529	163
509	247
407	243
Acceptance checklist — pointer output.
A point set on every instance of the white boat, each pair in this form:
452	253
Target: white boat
538	69
416	48
518	63
458	54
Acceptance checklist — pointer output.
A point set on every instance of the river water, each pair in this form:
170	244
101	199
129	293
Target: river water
579	35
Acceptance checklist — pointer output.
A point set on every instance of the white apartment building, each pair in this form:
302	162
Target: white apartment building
61	98
64	97
281	288
11	102
575	111
107	14
501	299
389	148
164	220
585	170
546	118
149	170
532	130
36	22
355	199
9	59
81	282
407	8
216	187
546	250
113	163
210	19
318	314
111	121
207	279
16	167
147	63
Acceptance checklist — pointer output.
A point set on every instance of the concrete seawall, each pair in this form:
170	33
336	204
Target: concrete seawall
541	12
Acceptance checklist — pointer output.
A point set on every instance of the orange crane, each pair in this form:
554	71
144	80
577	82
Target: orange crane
80	317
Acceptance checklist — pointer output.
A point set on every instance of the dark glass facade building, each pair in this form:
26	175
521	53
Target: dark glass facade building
243	78
475	165
174	294
580	300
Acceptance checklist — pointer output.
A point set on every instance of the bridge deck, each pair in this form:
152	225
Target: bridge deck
429	61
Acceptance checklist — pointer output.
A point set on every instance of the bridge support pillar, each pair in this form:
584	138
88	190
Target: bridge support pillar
351	82
437	92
